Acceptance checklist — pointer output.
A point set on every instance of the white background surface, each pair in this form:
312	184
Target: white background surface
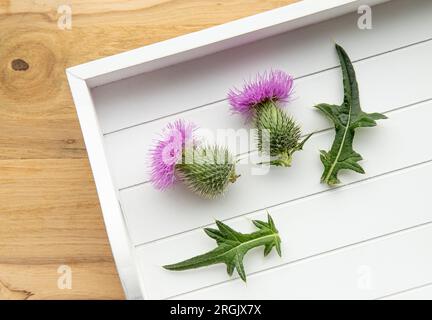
374	226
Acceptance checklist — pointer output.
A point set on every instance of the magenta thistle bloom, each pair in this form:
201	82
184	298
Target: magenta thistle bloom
179	156
260	100
168	151
273	86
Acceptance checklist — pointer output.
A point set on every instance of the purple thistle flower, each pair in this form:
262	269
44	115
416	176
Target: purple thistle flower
273	86
168	151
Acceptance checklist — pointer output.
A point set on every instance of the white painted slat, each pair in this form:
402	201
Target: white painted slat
421	293
365	271
400	141
301	52
307	228
380	89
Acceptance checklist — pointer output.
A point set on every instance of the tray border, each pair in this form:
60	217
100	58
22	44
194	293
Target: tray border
84	77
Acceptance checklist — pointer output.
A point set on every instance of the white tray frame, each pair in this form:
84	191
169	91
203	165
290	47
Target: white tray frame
83	77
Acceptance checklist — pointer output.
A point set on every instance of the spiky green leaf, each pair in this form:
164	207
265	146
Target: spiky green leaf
233	246
346	118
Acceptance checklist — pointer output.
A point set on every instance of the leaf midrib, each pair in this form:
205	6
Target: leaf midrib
274	235
341	145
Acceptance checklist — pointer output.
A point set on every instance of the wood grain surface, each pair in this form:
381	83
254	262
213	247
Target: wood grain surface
49	210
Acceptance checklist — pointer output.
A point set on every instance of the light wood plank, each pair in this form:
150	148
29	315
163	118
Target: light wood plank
50	217
90	280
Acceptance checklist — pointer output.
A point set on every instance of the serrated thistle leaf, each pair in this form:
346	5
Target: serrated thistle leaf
278	133
233	246
346	118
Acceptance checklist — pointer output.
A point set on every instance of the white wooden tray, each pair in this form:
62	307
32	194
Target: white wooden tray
369	238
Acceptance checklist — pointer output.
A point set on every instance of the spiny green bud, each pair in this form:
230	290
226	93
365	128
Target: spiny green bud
278	134
207	171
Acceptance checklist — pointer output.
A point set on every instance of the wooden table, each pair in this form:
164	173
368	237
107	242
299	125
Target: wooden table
49	210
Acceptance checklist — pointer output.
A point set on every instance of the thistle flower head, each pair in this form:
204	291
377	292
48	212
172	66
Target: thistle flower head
278	133
168	151
270	86
178	155
210	172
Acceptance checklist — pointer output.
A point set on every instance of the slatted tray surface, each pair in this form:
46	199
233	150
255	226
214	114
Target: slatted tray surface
375	225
